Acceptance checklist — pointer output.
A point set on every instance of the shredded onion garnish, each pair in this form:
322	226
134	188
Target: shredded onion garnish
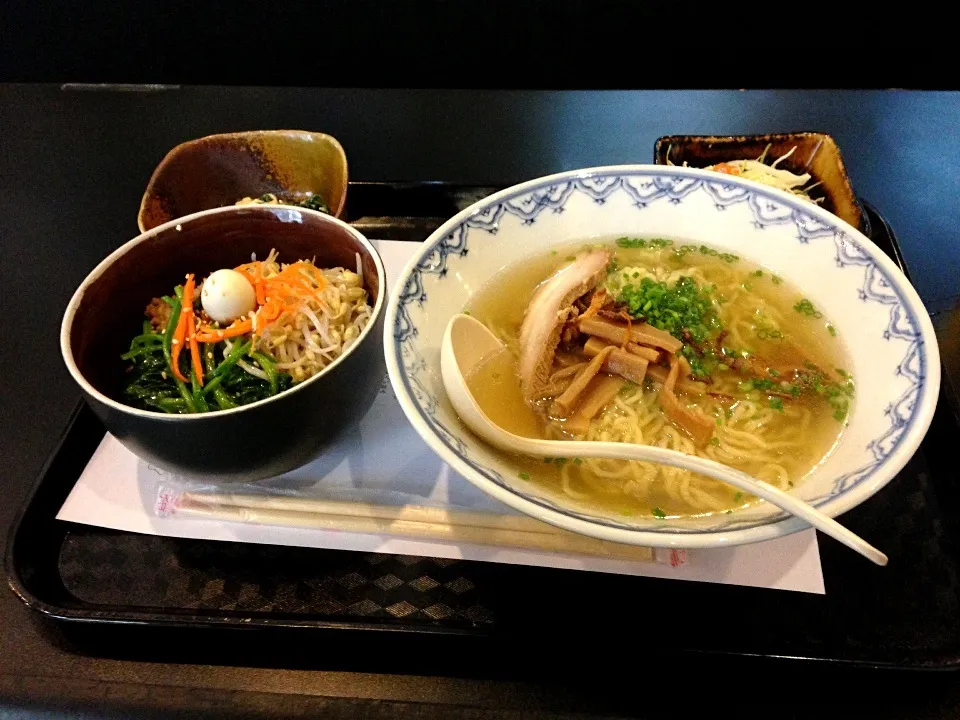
759	171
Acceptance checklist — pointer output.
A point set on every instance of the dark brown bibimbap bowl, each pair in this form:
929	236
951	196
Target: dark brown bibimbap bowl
254	441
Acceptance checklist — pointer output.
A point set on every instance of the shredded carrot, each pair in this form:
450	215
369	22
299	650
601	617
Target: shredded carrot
250	269
285	292
268	312
210	335
188	287
297	280
191	328
253	271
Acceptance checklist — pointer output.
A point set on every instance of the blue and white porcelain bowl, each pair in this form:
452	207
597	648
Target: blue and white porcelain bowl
887	331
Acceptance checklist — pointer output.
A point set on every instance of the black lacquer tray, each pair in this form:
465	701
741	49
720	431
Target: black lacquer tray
905	615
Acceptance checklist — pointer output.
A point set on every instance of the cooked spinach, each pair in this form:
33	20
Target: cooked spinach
151	384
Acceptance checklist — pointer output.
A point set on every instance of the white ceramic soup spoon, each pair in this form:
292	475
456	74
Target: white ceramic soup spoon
467	342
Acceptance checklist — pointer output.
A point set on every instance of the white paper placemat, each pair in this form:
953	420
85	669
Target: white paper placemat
384	461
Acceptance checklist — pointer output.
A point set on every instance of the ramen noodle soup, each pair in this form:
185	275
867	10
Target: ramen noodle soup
654	342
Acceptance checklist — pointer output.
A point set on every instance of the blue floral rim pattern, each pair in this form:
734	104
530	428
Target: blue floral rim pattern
643	189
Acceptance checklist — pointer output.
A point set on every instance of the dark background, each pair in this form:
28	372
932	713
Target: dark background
557	44
74	161
73	165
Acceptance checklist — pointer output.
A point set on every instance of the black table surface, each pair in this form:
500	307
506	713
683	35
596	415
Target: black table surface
73	164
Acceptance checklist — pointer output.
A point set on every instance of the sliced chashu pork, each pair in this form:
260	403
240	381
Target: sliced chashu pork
549	309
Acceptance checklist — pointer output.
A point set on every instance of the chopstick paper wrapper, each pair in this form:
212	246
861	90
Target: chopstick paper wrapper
413	521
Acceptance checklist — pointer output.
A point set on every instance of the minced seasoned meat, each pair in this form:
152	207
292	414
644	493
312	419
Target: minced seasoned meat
158	313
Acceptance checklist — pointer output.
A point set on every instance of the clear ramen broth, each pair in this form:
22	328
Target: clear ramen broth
760	369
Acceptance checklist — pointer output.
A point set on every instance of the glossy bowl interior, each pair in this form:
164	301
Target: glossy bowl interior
217	170
257	440
879	318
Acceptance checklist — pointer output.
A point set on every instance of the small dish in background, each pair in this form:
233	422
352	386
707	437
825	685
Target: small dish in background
816	154
218	170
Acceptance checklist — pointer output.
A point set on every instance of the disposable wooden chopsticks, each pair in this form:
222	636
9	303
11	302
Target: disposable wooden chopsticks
414	521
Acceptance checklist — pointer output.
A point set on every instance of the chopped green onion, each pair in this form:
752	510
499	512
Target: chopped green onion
673	308
806	307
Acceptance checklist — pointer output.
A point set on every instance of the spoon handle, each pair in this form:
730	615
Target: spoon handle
465	344
646	453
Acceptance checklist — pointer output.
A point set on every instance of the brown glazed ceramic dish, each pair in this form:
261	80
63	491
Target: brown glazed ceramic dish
253	441
218	170
816	153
